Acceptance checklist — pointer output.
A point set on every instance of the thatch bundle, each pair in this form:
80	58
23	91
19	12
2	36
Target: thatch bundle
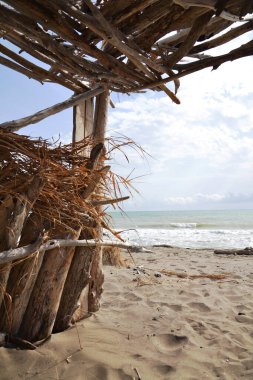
123	45
69	183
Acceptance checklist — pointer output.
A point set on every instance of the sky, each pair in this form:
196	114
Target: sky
199	155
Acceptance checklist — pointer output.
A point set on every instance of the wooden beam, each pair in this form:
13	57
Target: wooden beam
190	40
28	250
224	38
15	125
190	68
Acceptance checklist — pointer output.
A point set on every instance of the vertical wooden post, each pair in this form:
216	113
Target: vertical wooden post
83	286
77	281
83	120
96	272
15	210
101	116
42	308
6	208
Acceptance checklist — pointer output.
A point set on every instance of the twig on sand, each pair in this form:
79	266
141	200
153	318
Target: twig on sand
194	276
137	373
79	339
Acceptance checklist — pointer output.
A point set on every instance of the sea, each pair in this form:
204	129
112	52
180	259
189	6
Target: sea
186	229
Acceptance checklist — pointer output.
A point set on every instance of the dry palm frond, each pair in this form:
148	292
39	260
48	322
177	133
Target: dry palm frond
113	256
71	183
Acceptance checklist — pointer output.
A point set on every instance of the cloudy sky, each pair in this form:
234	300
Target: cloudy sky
200	153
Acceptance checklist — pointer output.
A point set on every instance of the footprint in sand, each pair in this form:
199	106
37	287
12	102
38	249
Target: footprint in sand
165	369
175	307
243	319
132	297
247	363
200	306
168	342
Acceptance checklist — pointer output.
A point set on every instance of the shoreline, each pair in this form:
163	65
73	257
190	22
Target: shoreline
165	327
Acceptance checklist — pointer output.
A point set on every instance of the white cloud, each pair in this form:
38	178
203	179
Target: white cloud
199	147
200	198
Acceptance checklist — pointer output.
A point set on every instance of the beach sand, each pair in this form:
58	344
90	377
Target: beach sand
151	328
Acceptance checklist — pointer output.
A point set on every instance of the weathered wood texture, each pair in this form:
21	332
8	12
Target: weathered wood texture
83	119
39	318
13	216
245	251
15	125
116	44
78	278
96	271
19	287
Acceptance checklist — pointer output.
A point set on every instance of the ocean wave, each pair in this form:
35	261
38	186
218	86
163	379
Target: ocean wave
190	237
184	225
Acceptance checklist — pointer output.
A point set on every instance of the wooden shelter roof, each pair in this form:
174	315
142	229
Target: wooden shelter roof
124	45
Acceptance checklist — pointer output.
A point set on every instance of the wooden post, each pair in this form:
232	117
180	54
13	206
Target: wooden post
83	286
101	116
5	213
75	292
21	280
13	215
44	301
96	273
77	280
83	120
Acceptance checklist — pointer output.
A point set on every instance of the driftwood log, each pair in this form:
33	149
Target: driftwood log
245	251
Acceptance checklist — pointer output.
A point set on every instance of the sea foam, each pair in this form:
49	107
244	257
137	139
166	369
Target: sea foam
190	238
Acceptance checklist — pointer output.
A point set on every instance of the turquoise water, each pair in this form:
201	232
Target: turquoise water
193	229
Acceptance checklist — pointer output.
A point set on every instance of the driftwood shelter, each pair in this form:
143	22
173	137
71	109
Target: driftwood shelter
51	198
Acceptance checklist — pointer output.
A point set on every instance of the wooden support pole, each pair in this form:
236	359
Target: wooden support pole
101	115
83	119
77	280
20	285
79	272
39	318
15	125
96	272
15	212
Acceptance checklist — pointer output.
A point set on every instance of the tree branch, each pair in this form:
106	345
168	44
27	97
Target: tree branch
15	125
28	250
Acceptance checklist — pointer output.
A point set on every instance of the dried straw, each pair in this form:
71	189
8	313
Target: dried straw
71	184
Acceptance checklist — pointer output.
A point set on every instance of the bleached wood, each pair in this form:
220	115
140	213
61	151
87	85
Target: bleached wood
14	223
190	40
15	125
83	119
101	116
39	318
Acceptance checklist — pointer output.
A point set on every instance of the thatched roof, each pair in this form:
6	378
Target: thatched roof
124	45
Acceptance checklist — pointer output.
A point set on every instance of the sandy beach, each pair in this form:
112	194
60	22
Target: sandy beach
158	320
